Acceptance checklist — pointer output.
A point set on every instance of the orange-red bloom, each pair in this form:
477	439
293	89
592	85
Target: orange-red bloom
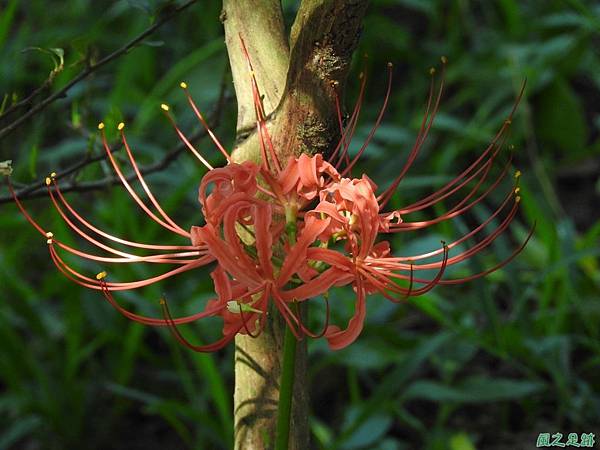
288	233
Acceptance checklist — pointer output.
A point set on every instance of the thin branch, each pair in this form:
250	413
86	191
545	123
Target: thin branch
90	69
27	100
38	189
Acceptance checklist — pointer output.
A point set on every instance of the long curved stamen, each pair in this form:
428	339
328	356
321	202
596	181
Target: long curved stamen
258	104
393	263
93	283
345	134
82	233
263	133
245	324
439	196
496	267
471	193
262	319
493	144
348	169
483	273
305	329
143	182
411	281
198	348
430	283
130	189
33	223
166	258
347	139
151	321
287	315
165	108
407	226
426	125
263	149
200	117
106	235
383	284
486	241
459	241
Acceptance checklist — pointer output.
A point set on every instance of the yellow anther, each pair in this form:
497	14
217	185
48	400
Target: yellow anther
48	181
517	174
508	121
101	275
361	75
517	190
164	107
101	126
432	71
49	241
120	126
511	147
390	64
517	199
183	85
49	234
444	60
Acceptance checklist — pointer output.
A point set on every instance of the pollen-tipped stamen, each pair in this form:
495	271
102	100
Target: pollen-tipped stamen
132	192
347	139
92	283
143	182
33	223
200	117
426	125
165	108
348	168
106	235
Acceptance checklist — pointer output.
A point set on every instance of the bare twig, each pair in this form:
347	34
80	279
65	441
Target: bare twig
27	100
91	68
38	189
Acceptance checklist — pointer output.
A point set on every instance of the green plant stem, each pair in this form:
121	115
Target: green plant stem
286	391
286	384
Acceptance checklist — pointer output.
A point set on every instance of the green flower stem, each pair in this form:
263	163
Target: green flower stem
286	391
286	384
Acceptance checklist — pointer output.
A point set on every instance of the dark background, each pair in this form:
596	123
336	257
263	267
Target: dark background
488	365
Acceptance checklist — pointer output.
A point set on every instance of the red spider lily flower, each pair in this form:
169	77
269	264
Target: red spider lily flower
288	233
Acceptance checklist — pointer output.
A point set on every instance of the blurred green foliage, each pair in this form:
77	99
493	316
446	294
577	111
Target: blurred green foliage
487	365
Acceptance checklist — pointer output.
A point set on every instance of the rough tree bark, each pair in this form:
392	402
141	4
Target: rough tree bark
299	76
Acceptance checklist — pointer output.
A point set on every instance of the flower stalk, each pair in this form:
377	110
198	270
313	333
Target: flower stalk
286	390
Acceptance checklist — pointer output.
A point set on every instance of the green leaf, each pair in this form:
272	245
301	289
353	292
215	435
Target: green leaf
57	55
560	120
6	17
461	441
373	429
21	428
473	390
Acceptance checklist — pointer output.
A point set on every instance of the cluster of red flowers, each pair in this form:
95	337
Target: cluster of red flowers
288	233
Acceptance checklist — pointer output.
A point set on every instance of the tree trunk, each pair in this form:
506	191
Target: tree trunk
299	82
